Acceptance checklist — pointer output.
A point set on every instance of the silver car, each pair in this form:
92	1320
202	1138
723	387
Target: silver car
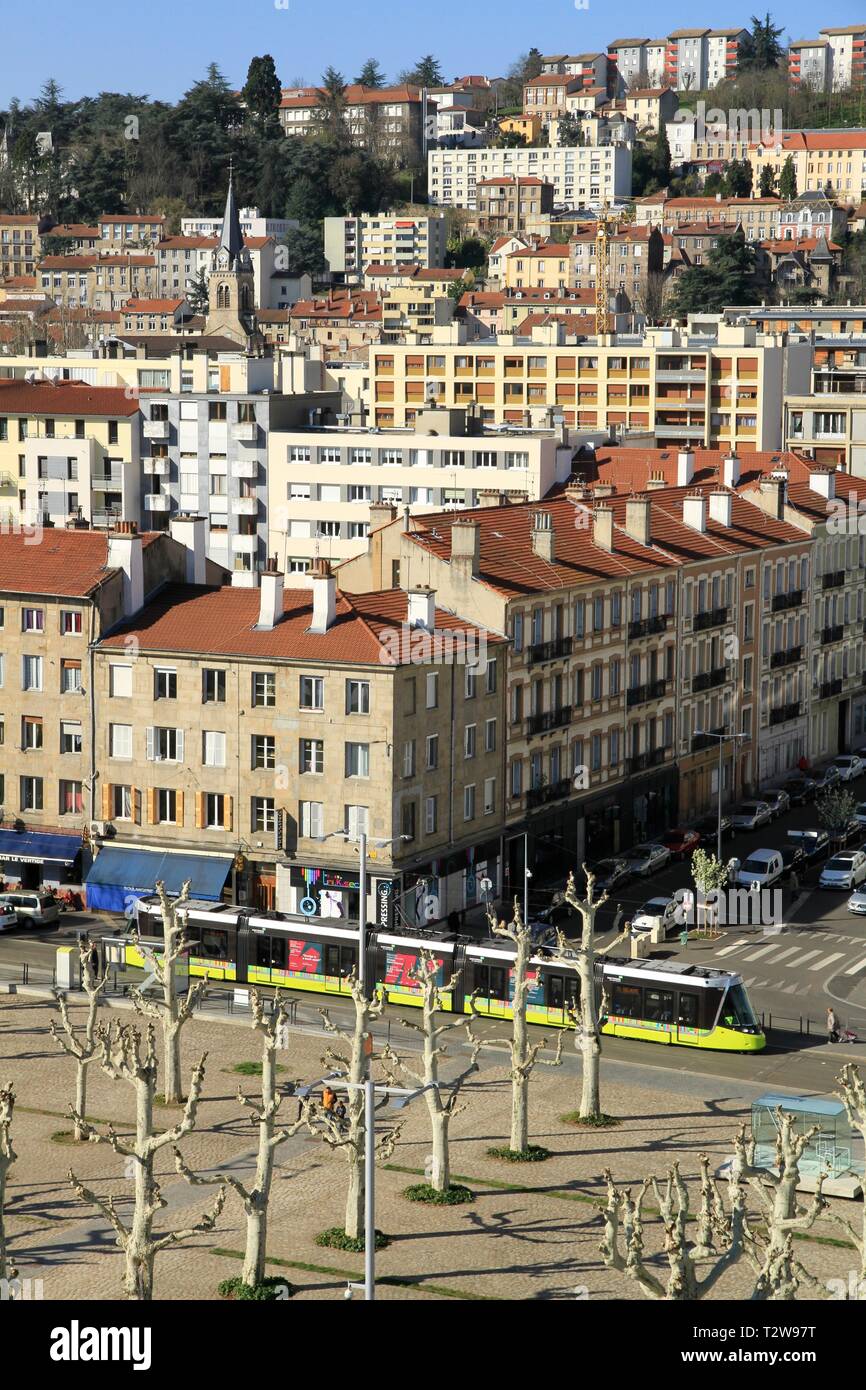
648	859
849	765
778	801
751	815
31	907
857	902
847	870
654	912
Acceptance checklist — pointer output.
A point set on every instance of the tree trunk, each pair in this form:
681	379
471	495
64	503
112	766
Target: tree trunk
355	1195
441	1175
257	1240
588	1043
3	1270
257	1205
171	1046
519	1111
80	1100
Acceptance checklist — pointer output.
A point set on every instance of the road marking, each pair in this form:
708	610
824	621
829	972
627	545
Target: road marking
736	946
790	989
808	955
750	983
756	955
760	984
828	960
791	951
855	969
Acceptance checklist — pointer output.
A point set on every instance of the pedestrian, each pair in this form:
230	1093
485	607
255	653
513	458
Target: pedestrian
617	921
329	1100
832	1026
340	1113
794	881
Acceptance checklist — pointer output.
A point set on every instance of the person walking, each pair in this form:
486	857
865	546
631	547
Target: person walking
832	1026
329	1100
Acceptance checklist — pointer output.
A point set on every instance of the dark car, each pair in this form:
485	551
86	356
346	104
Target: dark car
680	841
815	844
793	860
850	834
609	873
708	829
801	790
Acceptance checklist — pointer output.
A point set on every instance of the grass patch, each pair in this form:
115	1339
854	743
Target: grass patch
270	1290
335	1237
394	1281
431	1196
249	1068
533	1153
66	1136
572	1117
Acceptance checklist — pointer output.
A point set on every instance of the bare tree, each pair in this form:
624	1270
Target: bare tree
7	1158
121	1059
581	956
349	1134
441	1097
172	1011
81	1044
256	1195
524	1055
852	1092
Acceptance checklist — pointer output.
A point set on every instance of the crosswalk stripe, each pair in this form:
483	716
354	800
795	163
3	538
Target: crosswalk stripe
736	946
828	960
791	951
855	969
790	989
801	960
756	955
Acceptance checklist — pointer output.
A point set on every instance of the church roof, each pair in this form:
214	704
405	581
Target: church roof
232	239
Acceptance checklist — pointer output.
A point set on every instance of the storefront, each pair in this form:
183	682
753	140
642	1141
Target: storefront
457	883
120	875
33	859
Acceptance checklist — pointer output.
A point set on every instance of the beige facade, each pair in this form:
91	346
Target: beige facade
411	312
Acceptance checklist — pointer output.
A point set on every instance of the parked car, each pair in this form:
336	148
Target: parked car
653	912
793	859
8	917
708	829
801	790
849	834
31	908
778	801
860	813
751	815
850	765
681	841
857	902
828	777
647	859
846	870
763	866
814	843
609	873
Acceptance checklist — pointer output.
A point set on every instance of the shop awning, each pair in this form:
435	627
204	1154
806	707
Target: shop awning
118	875
31	847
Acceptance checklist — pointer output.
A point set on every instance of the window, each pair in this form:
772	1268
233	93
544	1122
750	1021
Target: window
491	676
355	821
121	802
120	681
213	748
214	811
469	741
31	793
432	752
469	683
469	802
264	751
32	620
31	673
164	745
409	696
70	677
31	733
357	697
357	760
164	683
430	815
407	819
70	622
517	631
490	736
70	736
168	806
312	755
213	686
432	689
264	689
312	692
311	819
71	799
409	758
120	741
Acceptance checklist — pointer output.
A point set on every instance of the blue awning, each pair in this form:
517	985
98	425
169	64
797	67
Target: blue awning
118	875
33	847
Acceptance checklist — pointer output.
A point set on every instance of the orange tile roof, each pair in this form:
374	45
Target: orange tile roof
68	564
74	398
152	306
581	324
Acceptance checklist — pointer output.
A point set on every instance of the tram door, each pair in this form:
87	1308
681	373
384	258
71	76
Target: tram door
556	998
688	1013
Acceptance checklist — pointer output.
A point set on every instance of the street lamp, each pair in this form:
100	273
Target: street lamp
362	893
722	740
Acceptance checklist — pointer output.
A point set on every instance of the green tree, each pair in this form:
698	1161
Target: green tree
532	65
788	179
331	113
371	75
727	277
835	809
738	179
358	183
465	252
510	140
570	129
426	73
714	183
198	293
661	157
767	184
306	252
262	91
761	49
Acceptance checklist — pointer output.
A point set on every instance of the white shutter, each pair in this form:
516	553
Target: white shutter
150	745
179	735
316	809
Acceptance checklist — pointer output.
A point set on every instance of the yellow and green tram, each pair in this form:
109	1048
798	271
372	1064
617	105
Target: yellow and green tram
662	1002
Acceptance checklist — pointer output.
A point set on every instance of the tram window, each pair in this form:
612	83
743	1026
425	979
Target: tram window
340	960
555	992
659	1006
491	981
737	1011
263	952
214	944
278	952
626	1001
688	1011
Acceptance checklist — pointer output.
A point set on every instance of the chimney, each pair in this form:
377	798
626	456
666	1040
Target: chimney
466	547
421	609
380	514
603	490
730	470
774	489
324	596
823	480
721	507
602	527
695	511
685	467
270	596
656	481
543	540
189	531
637	519
124	553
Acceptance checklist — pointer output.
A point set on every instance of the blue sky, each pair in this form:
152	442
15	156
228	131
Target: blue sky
161	47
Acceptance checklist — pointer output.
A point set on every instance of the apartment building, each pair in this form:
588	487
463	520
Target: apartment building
544	96
182	259
20	245
810	64
268	728
252	222
847	55
590	68
119	233
389	121
353	243
636	62
712	384
341	322
832	161
580	174
635	255
828	422
507	205
411	312
325	486
651	107
102	281
59	592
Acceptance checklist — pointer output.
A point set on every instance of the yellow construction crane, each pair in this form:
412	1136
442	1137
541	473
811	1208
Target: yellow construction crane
602	260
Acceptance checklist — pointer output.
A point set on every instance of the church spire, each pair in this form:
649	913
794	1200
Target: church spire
231	239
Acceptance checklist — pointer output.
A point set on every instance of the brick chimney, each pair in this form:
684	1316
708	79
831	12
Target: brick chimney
542	536
324	596
466	547
637	519
602	527
270	595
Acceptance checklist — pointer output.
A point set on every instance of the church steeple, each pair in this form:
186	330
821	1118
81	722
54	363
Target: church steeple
231	240
231	283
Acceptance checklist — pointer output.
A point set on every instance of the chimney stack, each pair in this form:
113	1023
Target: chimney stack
602	527
637	519
466	547
124	553
189	531
685	467
731	470
721	507
823	480
324	596
270	595
421	608
695	511
775	489
543	540
655	482
380	515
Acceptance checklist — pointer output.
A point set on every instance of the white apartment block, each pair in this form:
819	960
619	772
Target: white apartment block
848	50
252	224
353	243
579	174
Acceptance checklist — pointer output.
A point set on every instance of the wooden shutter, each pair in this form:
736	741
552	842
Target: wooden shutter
151	805
199	810
228	812
107	801
136	806
178	808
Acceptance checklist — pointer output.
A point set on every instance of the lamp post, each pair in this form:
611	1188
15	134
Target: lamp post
362	893
722	740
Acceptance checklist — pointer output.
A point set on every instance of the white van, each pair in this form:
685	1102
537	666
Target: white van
763	866
31	907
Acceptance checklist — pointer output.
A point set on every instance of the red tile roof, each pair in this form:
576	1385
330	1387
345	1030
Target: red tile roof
151	306
70	398
68	564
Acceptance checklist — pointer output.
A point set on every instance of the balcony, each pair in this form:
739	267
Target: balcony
681	431
641	694
245	545
647	627
707	740
782	601
641	762
784	713
245	506
707	680
156	468
831	634
713	617
548	651
245	468
157	502
548	719
834	580
107	517
540	796
830	688
785	658
155	429
245	431
107	479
